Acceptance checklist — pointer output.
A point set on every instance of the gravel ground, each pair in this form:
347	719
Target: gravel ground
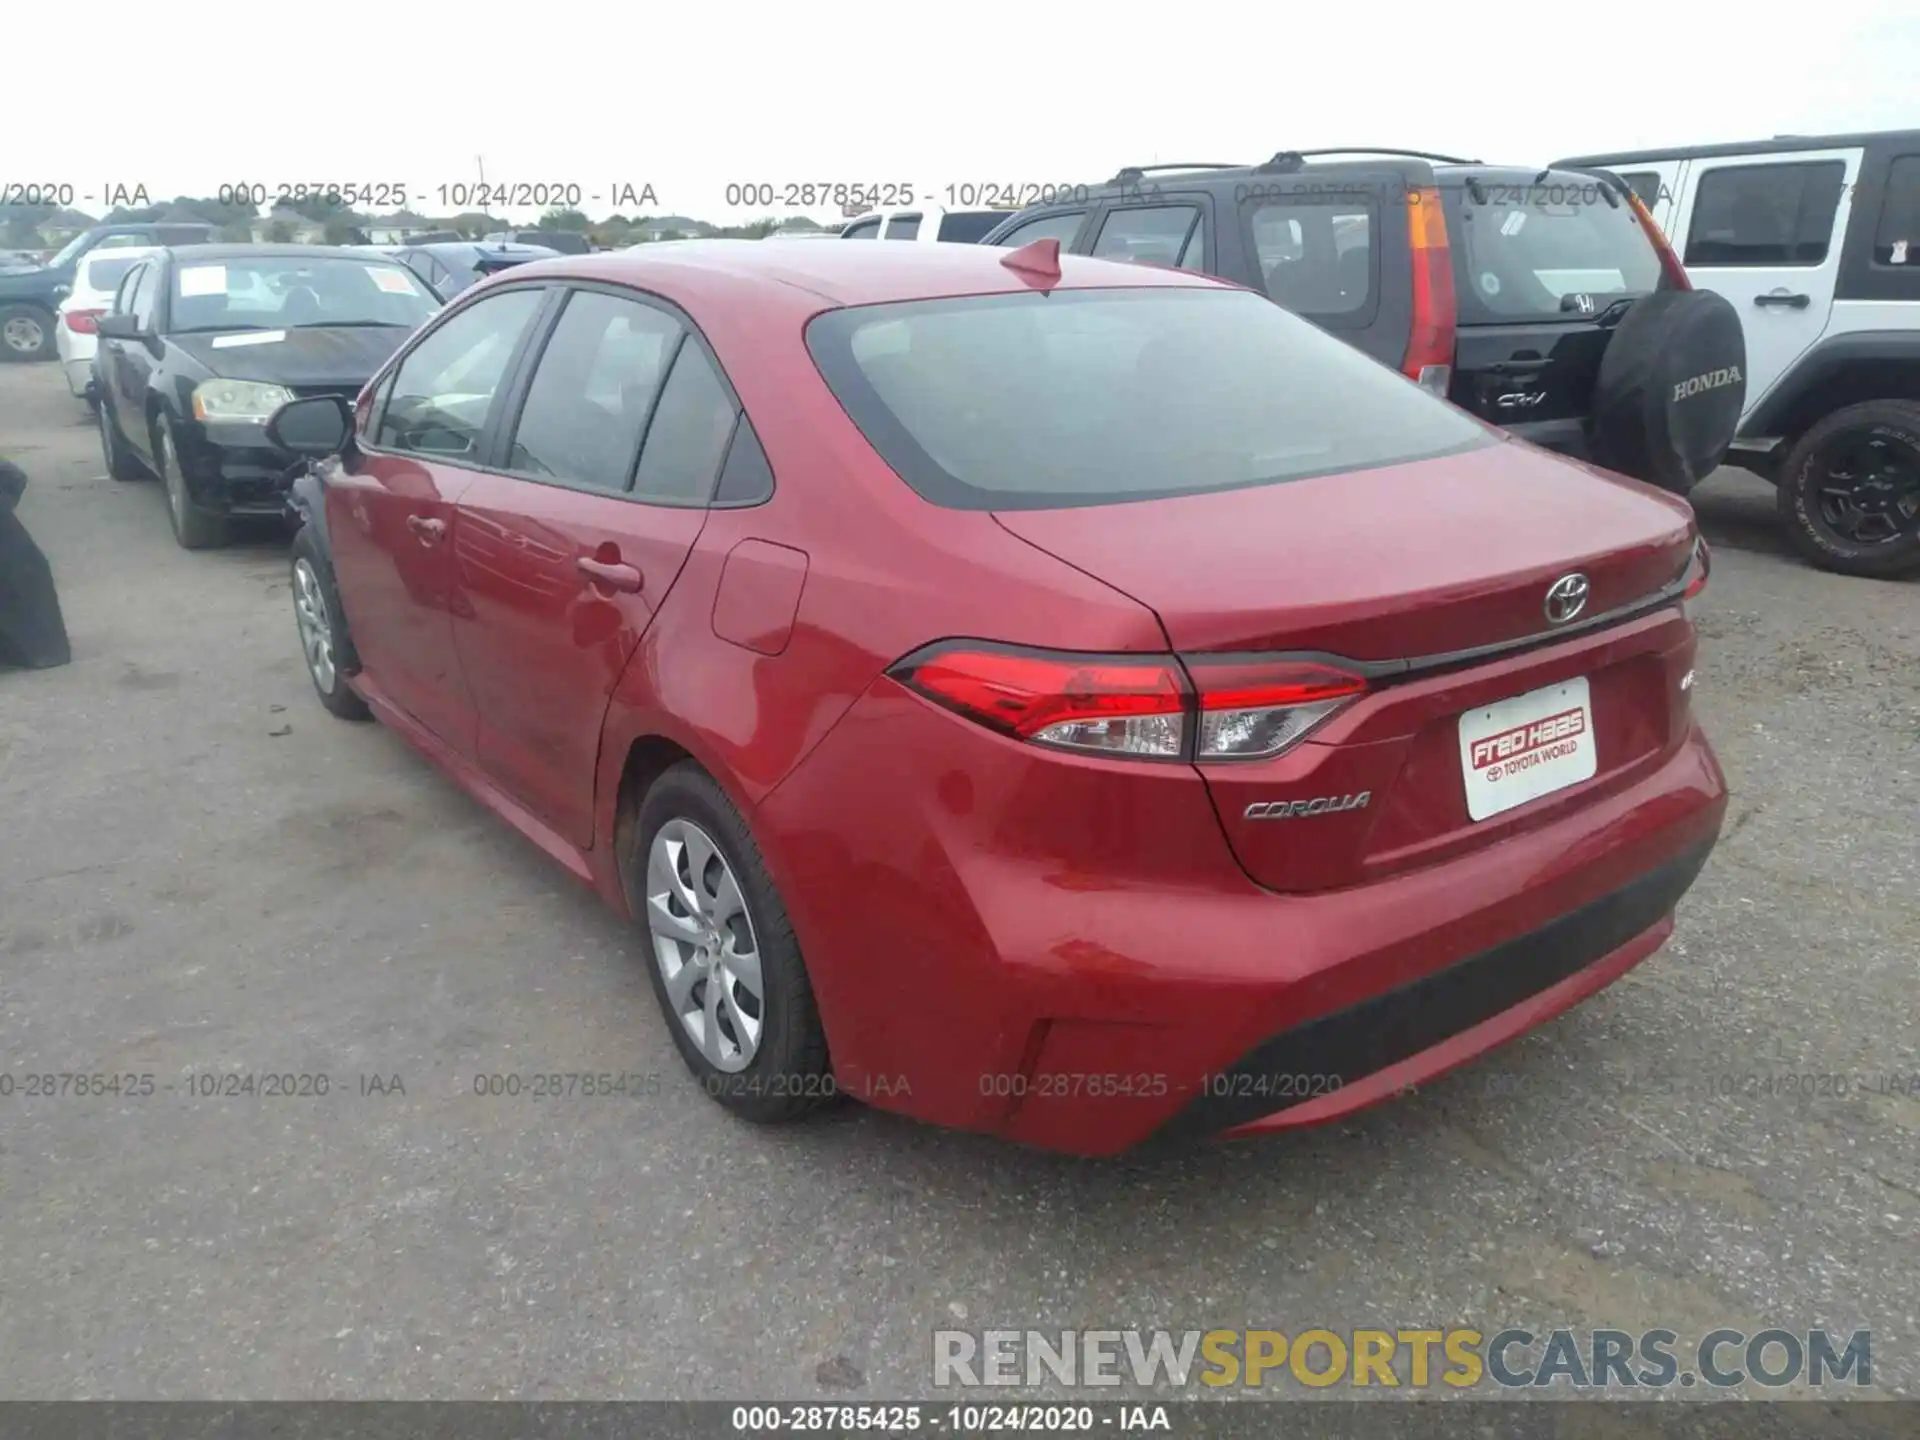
202	872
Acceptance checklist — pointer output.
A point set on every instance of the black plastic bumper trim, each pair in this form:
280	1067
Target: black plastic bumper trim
1295	1066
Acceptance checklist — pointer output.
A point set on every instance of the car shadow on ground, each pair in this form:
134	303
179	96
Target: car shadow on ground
1736	510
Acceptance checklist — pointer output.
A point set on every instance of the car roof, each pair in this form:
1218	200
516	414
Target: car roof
844	274
1778	144
240	250
468	248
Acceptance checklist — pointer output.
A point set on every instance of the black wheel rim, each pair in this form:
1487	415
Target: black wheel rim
1867	483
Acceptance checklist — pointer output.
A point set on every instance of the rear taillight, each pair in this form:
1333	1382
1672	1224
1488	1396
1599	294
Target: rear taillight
84	322
1259	708
1699	567
1670	265
1114	705
1145	707
1435	313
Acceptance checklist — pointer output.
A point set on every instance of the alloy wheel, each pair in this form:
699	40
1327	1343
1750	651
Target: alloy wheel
705	946
316	633
1869	488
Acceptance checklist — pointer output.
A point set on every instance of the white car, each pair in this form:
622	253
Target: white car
925	223
94	286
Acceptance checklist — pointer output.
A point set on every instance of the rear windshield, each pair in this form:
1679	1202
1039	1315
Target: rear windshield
1554	251
1091	397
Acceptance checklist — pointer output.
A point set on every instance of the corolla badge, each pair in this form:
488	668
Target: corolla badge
1566	598
1295	809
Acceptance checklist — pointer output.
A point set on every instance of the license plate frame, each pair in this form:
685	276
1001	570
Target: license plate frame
1527	746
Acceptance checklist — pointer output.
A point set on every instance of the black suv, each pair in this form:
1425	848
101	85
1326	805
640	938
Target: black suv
1543	301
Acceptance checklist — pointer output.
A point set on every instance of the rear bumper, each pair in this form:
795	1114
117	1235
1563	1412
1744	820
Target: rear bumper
79	375
1417	1031
1146	990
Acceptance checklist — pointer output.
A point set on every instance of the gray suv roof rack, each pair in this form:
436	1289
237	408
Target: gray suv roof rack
1134	172
1293	159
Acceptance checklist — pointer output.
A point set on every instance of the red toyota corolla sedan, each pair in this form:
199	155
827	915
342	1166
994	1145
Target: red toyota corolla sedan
1070	700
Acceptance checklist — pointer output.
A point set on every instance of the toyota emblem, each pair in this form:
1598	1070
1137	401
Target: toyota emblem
1566	598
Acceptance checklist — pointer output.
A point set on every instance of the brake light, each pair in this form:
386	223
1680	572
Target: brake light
1435	312
1259	708
1699	567
1670	265
1138	706
84	322
1113	705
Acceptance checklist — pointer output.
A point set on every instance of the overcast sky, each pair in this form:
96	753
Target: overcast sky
688	97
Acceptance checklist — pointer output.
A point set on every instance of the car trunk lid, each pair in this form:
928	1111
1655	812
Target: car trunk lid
1430	579
1434	557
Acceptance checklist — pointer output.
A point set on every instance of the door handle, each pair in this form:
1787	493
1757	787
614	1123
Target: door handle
1796	302
430	531
610	573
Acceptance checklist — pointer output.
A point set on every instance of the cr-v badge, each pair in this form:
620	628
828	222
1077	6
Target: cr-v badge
1294	809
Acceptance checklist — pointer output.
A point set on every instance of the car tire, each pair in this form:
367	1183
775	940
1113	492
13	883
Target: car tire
325	644
688	843
193	527
26	334
1873	451
121	463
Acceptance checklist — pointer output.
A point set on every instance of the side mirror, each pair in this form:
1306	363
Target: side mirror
316	426
118	327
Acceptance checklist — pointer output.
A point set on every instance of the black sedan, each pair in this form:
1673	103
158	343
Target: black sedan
205	342
451	267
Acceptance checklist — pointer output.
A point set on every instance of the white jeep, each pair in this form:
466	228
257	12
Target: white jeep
1816	241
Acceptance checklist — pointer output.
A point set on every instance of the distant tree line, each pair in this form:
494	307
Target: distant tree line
24	227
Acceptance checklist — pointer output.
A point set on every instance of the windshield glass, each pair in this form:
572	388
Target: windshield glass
281	292
72	248
1533	252
1087	397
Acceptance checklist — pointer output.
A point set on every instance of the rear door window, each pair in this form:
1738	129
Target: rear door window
1088	397
1548	252
1315	258
1047	227
1896	238
969	227
592	392
1765	215
689	435
104	275
1157	235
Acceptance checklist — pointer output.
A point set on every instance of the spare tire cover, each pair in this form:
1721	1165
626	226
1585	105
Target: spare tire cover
1671	388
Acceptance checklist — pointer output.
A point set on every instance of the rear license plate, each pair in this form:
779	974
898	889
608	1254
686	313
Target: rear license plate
1526	747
